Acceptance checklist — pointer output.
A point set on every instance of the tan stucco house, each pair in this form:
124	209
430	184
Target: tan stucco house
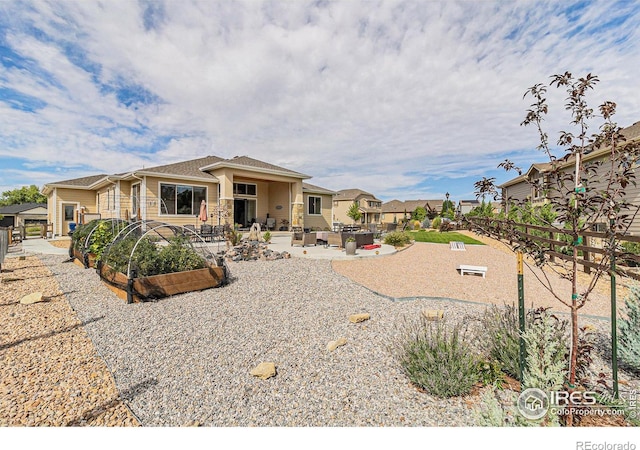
395	211
368	204
239	190
530	185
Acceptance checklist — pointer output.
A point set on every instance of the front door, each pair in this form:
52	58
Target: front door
68	216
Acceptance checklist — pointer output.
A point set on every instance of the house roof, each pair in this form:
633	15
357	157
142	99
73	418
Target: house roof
398	206
631	133
311	188
194	168
352	194
22	207
247	163
191	168
469	202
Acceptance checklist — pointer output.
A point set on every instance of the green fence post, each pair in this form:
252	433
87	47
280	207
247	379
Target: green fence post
521	311
614	326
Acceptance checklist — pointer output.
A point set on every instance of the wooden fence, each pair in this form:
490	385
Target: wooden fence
4	244
551	240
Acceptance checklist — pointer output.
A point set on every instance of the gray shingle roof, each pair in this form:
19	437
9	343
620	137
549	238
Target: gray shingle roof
16	209
189	168
80	182
316	189
352	194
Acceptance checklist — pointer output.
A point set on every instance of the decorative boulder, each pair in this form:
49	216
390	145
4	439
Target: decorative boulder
35	297
331	346
264	370
357	318
433	314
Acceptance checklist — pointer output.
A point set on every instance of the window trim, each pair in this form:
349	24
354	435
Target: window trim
195	208
236	194
309	197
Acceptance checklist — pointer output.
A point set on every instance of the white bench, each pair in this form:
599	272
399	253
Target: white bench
472	269
457	246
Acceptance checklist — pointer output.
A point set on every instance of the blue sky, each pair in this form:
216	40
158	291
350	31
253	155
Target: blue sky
405	100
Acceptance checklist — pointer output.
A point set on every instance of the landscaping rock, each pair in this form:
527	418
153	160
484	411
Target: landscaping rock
331	346
357	318
264	370
35	297
433	314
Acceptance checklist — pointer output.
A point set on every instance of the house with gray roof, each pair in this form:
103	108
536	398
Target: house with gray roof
395	211
22	214
239	190
370	207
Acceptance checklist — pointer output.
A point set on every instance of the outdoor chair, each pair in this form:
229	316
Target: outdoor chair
271	223
218	232
192	233
334	239
206	232
303	239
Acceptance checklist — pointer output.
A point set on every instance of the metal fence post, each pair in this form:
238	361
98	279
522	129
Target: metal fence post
521	314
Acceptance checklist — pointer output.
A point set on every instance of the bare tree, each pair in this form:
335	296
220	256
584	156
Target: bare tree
581	193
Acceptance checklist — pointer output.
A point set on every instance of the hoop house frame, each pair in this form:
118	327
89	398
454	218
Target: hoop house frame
151	259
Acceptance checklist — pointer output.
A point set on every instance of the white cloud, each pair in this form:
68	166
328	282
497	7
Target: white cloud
359	94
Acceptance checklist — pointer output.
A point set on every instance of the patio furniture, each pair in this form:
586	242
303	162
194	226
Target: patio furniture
362	238
303	239
322	236
206	232
334	239
271	223
391	227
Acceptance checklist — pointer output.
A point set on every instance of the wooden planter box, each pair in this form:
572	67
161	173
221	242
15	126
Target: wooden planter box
158	286
79	259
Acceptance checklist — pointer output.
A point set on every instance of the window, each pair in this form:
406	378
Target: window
181	199
315	206
111	199
244	189
68	212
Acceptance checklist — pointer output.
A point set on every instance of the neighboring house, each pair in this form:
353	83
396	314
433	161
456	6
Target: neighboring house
369	205
395	210
240	190
465	206
24	213
530	185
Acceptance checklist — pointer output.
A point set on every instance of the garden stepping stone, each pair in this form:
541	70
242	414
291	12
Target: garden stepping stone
264	370
35	297
357	318
331	346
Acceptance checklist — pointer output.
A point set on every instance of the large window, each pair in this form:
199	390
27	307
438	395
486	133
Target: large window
315	206
181	199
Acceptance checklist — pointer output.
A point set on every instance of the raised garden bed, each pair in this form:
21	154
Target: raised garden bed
135	290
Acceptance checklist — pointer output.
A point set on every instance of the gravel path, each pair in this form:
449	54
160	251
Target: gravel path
50	373
429	270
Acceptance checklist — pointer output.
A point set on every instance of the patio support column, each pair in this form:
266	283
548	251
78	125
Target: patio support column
226	197
297	205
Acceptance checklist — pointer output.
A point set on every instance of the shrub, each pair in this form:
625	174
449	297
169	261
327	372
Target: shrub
266	236
397	239
435	223
489	412
436	358
417	224
630	331
502	342
545	363
234	237
490	372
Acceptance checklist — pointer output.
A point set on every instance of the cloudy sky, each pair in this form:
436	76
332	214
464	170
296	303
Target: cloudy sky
403	99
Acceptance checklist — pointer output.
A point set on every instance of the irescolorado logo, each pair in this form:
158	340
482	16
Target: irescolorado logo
533	403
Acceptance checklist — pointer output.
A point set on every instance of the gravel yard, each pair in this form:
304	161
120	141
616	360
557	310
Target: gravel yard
185	360
429	270
50	372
